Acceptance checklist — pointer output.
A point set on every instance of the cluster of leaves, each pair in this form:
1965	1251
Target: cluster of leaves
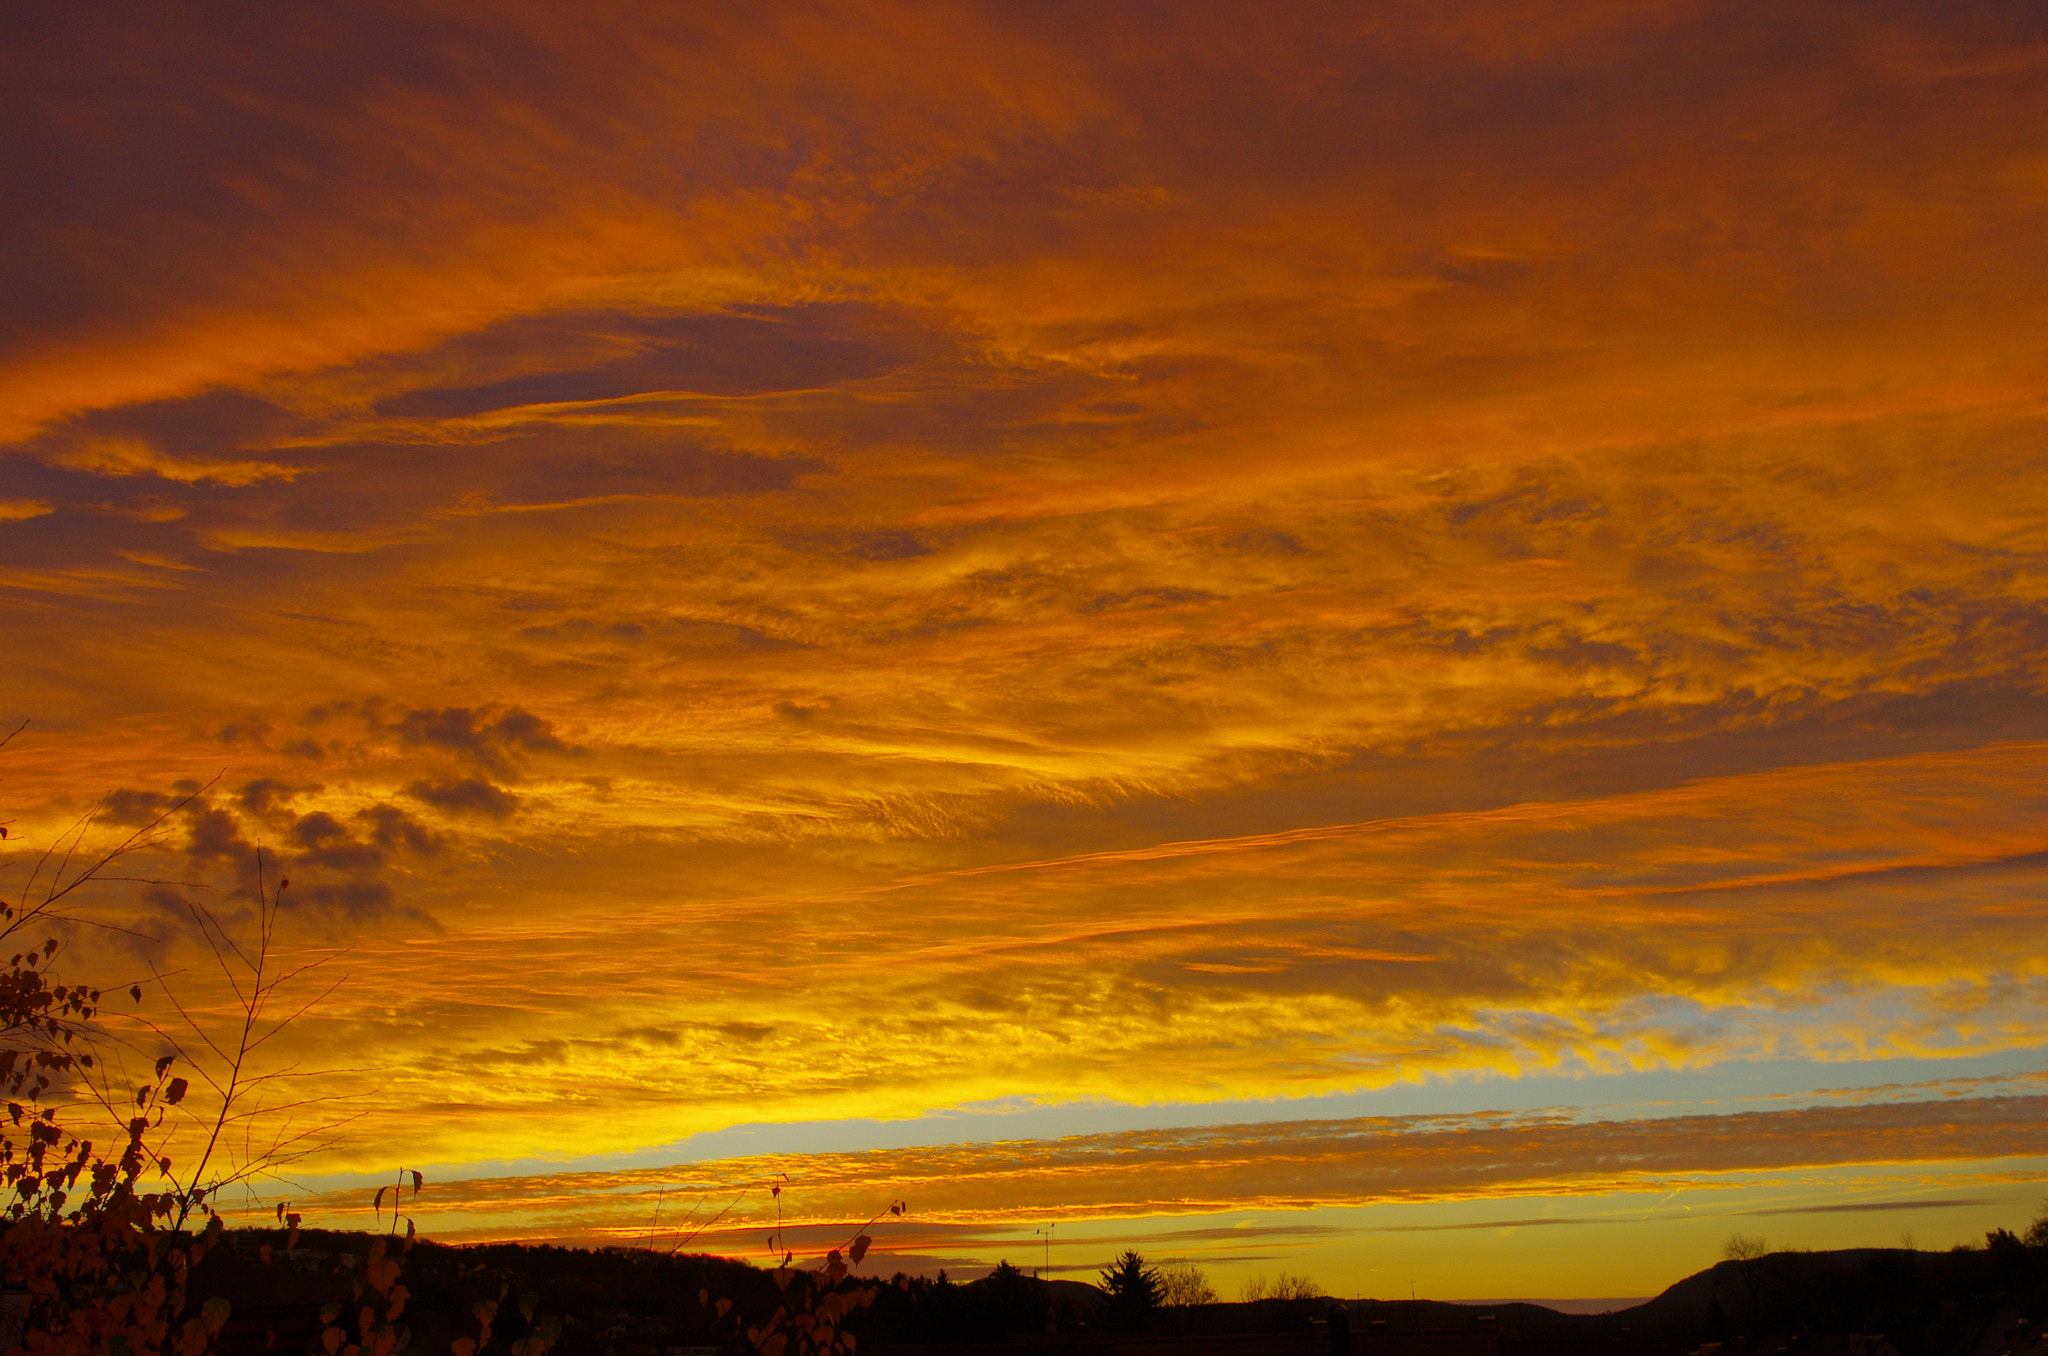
105	1277
41	1020
374	1299
98	1252
45	1165
811	1321
94	1233
85	1225
541	1333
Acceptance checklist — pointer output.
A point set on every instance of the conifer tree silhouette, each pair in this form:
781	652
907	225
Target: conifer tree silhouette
1133	1290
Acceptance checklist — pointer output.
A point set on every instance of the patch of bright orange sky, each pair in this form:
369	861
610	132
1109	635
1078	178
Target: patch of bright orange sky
1309	636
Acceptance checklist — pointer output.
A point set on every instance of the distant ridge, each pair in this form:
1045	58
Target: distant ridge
1689	1299
1565	1306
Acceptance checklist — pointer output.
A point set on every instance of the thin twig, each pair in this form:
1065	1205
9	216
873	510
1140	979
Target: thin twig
713	1220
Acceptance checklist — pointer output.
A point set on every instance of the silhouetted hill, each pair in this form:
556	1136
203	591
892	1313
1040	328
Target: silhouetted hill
636	1303
1925	1303
1075	1294
1691	1298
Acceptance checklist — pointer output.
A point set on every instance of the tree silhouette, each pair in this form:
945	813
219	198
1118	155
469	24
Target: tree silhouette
1182	1285
1748	1254
2036	1235
1133	1290
1017	1302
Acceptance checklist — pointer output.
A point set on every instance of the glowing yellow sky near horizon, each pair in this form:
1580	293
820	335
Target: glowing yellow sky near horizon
1461	1207
856	560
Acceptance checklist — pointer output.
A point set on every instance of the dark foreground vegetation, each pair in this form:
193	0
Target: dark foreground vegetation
1866	1302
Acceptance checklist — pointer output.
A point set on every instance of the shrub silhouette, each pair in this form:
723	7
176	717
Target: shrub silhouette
1284	1288
1183	1285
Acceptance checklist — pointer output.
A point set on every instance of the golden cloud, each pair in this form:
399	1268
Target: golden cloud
127	457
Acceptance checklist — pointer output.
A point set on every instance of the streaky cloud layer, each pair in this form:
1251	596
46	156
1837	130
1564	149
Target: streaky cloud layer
1157	1175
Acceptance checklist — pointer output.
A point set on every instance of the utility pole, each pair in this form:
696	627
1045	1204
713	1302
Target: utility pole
1046	1274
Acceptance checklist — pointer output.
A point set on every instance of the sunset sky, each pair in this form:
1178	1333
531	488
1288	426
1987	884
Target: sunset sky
1402	641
